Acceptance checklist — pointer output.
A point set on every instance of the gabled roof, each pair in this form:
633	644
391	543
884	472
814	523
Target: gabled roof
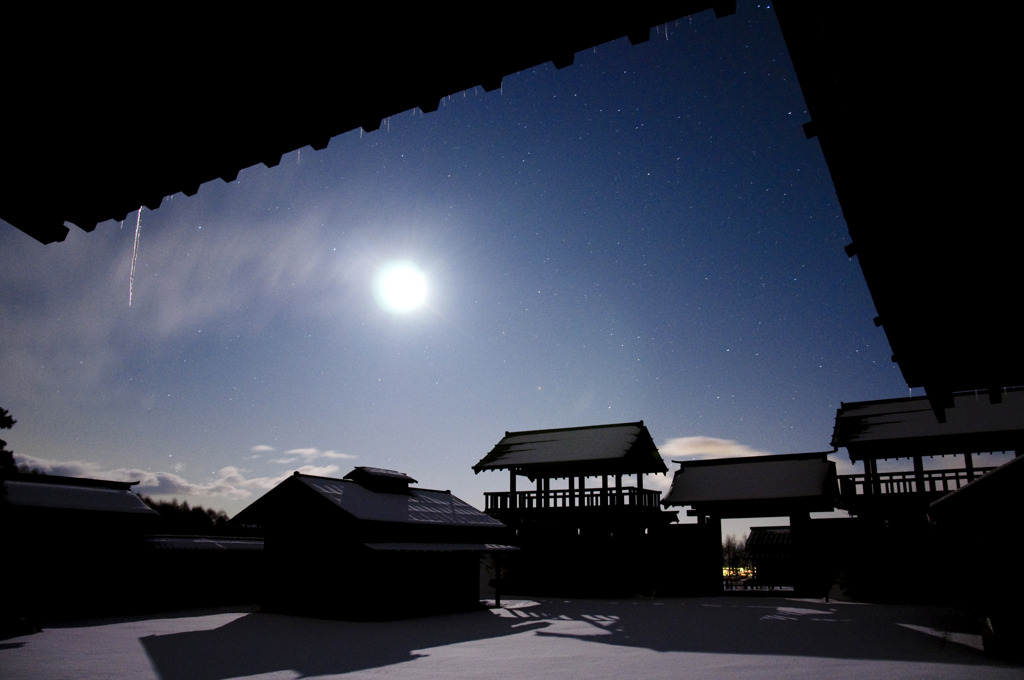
624	448
53	492
763	539
903	428
408	506
756	486
415	506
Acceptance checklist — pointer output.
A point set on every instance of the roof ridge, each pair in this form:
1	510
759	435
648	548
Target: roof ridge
810	455
639	423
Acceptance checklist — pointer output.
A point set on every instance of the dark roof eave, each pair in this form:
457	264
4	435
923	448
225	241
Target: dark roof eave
586	468
757	508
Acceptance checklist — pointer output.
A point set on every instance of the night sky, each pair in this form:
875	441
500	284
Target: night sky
646	235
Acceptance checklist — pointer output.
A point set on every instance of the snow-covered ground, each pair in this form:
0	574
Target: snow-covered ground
540	639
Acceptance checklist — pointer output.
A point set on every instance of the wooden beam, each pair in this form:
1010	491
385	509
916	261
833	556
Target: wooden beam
512	503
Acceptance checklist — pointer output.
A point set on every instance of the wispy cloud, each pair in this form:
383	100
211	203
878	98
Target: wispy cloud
79	327
312	454
309	455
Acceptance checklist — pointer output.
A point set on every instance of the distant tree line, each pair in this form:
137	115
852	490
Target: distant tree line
734	555
178	517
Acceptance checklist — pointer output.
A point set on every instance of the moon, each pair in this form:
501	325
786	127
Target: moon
401	287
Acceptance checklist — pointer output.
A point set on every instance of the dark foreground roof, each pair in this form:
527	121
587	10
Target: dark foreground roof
903	428
993	499
92	132
756	486
624	448
913	111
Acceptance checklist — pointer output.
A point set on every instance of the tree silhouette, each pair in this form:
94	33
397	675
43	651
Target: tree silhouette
181	518
6	457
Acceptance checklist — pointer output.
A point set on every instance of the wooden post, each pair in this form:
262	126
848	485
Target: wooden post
604	490
799	528
497	580
512	489
571	500
919	474
715	583
969	466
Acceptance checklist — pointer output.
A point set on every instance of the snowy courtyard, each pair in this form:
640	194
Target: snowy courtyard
550	638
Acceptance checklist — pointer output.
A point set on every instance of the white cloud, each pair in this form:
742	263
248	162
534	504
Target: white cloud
706	448
65	468
228	483
658	482
320	471
696	448
316	454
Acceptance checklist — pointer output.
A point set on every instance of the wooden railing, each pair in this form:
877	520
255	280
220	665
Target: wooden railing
907	482
573	498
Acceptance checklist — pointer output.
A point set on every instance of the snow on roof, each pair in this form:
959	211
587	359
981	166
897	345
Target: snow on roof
898	428
415	506
624	448
441	547
73	494
754	480
204	543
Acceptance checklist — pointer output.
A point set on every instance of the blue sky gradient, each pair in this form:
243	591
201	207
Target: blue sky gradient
646	234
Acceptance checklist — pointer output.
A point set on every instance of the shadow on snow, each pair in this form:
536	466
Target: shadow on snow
259	643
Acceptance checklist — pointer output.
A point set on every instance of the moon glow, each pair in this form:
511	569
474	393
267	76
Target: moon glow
400	287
